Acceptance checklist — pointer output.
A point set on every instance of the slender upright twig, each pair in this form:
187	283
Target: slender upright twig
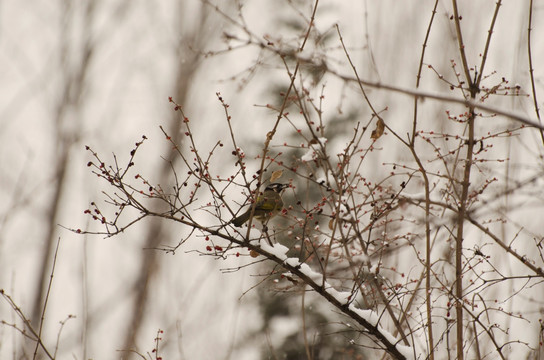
531	69
428	290
48	292
473	87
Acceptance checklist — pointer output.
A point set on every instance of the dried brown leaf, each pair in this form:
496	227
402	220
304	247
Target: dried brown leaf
276	175
378	132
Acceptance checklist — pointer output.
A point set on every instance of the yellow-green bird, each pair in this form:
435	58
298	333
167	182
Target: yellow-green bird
268	204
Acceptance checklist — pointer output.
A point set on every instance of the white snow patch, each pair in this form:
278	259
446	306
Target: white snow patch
373	318
278	250
310	155
343	297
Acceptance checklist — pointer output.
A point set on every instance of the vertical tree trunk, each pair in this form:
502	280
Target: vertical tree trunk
150	265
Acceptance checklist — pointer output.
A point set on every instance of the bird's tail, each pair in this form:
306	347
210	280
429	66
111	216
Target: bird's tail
240	220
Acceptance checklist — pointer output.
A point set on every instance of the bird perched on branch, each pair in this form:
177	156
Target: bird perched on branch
268	204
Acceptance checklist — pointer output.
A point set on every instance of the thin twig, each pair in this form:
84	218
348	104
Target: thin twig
531	69
42	318
428	290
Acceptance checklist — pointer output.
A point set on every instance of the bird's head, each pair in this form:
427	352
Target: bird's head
277	187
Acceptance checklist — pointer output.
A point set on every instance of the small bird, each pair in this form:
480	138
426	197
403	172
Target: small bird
268	205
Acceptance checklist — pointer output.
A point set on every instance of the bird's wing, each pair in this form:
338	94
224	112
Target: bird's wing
265	204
